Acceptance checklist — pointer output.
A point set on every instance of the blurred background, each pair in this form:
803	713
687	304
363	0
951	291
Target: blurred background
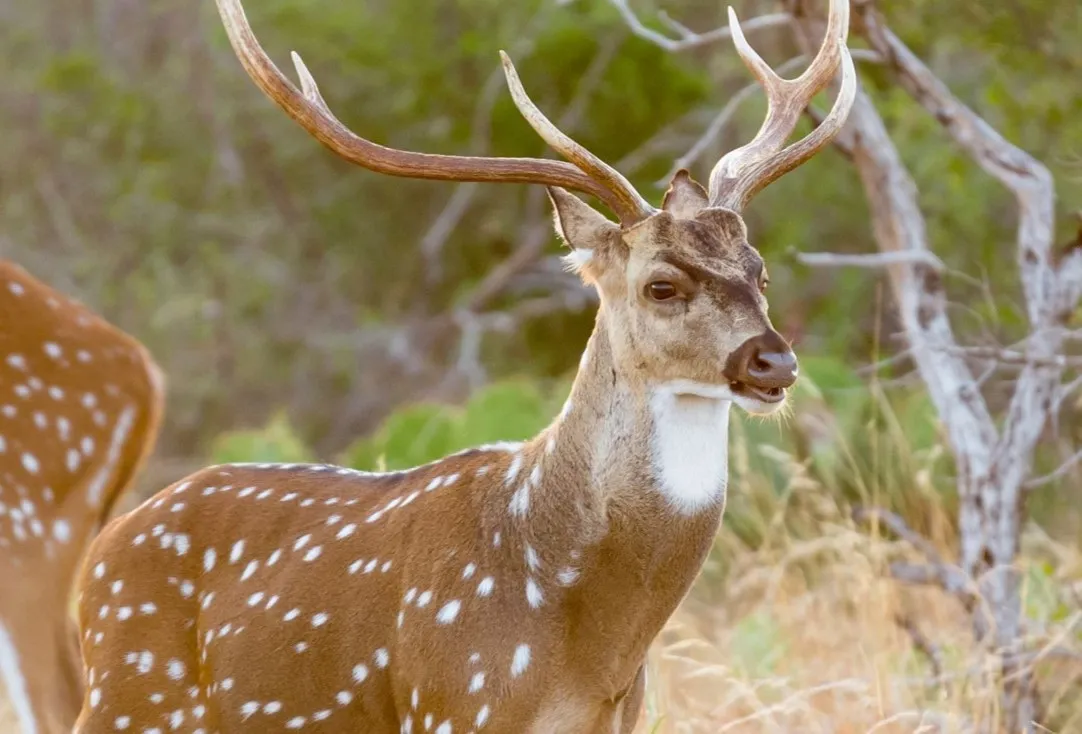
303	308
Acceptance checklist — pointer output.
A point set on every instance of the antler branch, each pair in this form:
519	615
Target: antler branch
743	172
308	108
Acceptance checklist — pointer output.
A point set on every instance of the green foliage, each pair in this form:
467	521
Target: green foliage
410	436
512	410
275	442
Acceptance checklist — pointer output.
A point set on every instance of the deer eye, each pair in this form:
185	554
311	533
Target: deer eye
661	290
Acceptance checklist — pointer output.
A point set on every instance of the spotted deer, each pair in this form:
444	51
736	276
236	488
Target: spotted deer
80	405
508	588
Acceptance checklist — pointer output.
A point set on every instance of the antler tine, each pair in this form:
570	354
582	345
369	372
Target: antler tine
308	108
562	143
743	172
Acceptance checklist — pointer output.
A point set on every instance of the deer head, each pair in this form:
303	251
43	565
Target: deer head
682	288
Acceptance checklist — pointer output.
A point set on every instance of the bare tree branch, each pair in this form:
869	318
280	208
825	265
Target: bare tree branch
443	226
899	227
949	578
1051	289
936	572
871	260
687	38
1011	356
1060	471
921	642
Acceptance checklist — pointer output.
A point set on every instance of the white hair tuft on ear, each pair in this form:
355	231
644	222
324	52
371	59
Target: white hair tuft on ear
577	259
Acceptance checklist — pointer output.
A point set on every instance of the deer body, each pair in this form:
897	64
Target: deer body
513	588
80	404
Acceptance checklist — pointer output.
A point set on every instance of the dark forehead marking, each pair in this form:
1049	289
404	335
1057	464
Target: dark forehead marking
697	270
700	260
732	291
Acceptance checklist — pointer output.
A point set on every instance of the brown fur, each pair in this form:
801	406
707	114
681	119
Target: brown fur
53	354
585	555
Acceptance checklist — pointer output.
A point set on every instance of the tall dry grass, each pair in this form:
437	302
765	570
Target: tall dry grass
802	630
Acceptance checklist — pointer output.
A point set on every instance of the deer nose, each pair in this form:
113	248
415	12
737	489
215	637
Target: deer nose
764	361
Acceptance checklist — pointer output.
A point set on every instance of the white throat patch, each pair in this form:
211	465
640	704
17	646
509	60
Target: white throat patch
690	451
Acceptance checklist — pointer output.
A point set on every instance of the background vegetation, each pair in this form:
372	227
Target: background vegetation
301	308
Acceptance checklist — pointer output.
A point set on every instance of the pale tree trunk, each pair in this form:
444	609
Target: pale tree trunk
993	461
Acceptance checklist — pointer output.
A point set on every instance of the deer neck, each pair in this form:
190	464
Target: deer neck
617	503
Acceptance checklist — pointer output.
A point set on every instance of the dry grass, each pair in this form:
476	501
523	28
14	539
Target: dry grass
805	636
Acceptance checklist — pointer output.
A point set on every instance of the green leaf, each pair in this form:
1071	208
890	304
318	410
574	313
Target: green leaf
276	442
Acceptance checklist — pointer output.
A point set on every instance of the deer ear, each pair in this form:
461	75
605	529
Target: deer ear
685	197
729	225
579	225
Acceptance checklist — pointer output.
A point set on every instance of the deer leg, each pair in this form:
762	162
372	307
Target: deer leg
631	706
40	680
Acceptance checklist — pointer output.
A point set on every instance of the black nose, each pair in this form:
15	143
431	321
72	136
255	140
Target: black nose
764	361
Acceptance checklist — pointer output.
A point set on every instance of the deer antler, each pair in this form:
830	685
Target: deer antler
743	172
306	106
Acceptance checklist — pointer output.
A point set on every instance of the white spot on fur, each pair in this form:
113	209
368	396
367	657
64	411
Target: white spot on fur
175	669
477	682
112	455
520	661
482	716
567	576
62	531
512	470
532	559
533	594
449	612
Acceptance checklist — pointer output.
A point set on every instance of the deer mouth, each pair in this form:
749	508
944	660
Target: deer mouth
768	395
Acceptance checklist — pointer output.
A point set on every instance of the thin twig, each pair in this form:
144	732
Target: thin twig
1014	357
1062	470
871	259
921	642
687	38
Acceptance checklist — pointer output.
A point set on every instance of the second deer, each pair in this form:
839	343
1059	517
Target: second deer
80	409
508	588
